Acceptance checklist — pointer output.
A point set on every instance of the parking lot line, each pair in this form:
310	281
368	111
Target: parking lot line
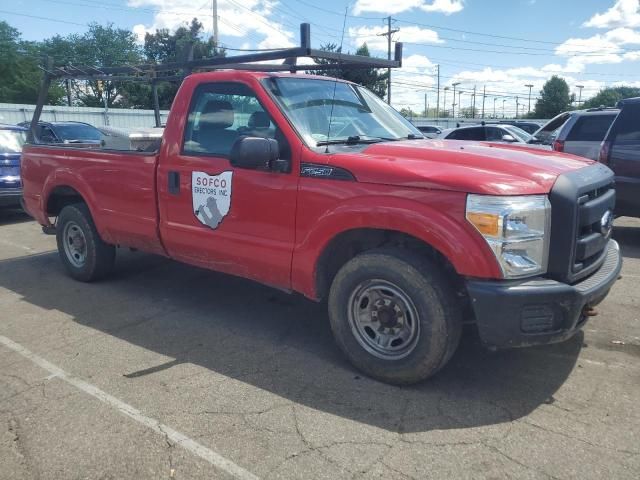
185	442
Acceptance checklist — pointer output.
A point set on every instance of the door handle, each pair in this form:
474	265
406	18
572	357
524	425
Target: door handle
174	183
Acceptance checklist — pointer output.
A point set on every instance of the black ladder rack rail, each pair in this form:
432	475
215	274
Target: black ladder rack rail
177	71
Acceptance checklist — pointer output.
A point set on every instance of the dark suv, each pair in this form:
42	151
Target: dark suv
620	151
579	132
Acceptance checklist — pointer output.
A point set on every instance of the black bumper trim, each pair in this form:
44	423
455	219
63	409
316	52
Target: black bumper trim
539	311
10	196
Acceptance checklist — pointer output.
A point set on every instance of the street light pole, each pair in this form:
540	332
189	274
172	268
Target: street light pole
530	87
459	102
494	106
517	105
454	98
579	87
503	100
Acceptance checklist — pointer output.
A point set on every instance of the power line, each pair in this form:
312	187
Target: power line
504	37
502	52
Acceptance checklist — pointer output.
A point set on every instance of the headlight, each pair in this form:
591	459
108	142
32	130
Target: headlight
516	229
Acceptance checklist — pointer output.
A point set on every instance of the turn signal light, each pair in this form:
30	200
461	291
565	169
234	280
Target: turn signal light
486	223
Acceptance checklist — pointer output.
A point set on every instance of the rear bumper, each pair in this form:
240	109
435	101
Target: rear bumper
539	311
10	197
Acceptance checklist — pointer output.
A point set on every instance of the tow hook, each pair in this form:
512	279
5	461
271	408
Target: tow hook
589	311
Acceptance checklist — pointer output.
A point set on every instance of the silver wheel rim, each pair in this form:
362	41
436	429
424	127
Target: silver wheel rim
383	319
75	244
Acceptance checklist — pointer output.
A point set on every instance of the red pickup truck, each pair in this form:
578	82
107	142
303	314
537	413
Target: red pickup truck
317	186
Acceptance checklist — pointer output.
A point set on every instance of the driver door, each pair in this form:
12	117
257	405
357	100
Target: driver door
234	220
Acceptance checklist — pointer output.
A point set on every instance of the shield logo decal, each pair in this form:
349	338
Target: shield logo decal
211	197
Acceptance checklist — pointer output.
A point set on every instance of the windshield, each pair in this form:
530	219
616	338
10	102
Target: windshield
518	133
357	113
77	132
549	131
11	141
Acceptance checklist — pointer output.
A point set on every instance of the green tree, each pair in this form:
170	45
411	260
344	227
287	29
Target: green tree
468	112
370	78
554	98
609	97
20	75
165	47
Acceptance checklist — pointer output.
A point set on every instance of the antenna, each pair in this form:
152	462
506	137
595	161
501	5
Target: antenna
335	82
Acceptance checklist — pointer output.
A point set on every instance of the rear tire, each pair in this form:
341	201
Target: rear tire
394	314
83	253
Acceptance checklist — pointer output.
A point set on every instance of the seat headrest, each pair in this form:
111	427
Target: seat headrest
259	120
217	114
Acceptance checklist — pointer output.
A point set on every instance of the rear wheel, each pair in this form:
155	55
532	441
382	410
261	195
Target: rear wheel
394	315
83	253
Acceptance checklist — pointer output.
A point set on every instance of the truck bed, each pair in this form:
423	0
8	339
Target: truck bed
119	187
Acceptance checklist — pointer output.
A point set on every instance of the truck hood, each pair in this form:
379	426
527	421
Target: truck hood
472	167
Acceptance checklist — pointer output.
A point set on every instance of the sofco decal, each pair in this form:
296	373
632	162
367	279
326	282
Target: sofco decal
211	197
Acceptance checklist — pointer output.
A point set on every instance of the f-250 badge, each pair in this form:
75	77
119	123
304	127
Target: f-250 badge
211	197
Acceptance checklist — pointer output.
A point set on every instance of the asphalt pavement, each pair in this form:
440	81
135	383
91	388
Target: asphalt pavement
170	371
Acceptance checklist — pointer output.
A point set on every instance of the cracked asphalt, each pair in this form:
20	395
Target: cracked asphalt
253	375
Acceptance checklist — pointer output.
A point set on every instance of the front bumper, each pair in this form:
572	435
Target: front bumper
10	197
520	313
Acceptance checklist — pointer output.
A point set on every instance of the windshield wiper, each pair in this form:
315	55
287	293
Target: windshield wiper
353	140
413	136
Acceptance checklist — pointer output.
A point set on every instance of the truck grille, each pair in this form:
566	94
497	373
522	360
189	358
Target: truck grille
580	201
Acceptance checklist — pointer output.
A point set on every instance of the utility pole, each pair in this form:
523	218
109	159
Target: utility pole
388	34
484	94
494	106
438	97
503	100
444	100
530	87
580	87
517	105
473	105
454	99
214	7
459	102
426	106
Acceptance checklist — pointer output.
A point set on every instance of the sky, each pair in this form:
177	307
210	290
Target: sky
499	46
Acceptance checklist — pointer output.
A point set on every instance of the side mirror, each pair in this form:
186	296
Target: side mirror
255	153
508	138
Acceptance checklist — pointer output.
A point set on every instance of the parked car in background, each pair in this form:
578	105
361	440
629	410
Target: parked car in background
529	127
429	131
620	151
579	132
66	132
11	140
488	133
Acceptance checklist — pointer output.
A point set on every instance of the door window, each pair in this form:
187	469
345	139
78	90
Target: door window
628	124
221	113
476	133
590	128
494	134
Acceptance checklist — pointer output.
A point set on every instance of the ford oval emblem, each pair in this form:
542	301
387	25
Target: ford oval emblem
606	224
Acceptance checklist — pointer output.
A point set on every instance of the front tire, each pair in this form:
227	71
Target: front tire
83	253
394	315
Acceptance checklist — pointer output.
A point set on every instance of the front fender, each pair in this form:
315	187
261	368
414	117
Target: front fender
438	220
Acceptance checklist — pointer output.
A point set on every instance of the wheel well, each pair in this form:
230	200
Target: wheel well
348	244
60	197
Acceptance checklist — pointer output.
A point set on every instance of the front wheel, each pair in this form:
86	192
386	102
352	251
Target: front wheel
83	253
393	313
